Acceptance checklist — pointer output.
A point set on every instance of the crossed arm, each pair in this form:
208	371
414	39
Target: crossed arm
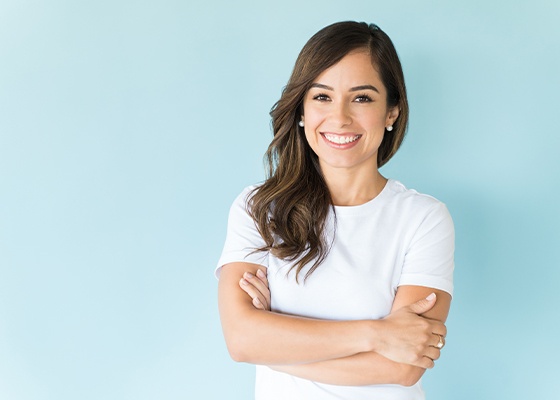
396	349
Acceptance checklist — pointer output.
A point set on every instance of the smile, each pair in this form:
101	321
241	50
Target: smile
340	139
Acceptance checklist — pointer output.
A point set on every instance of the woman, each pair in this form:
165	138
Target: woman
359	267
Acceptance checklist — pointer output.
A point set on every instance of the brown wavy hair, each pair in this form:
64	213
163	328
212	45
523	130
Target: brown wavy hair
290	208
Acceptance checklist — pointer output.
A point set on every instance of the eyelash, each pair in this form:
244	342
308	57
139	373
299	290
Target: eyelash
362	98
365	98
321	97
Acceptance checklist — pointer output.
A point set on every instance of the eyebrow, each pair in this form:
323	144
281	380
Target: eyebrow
354	89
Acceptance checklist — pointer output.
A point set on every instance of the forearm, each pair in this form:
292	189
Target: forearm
358	370
269	338
262	337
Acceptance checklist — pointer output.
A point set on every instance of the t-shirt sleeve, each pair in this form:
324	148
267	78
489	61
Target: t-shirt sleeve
429	259
242	238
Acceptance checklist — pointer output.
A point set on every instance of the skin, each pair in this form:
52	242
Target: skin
366	368
332	106
346	100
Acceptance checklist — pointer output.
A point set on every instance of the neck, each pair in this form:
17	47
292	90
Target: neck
352	188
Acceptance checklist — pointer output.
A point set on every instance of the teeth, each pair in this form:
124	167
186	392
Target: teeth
341	139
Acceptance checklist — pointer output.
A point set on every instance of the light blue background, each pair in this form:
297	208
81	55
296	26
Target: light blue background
128	127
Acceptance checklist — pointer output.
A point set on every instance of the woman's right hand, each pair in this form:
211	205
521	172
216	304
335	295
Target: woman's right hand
257	288
410	338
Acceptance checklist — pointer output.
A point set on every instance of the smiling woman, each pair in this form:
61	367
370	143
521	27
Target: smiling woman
335	280
347	110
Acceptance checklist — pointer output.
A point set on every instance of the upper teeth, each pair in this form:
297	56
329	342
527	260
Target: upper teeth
341	139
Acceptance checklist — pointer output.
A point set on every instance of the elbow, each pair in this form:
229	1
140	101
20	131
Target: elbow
237	349
237	355
409	380
242	340
411	375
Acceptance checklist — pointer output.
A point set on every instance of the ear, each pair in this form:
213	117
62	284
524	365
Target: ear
392	115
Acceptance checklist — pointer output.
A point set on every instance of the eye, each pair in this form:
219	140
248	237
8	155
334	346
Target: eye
321	97
362	98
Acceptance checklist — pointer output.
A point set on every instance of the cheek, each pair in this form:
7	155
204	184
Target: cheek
312	140
376	118
377	124
312	119
313	123
310	137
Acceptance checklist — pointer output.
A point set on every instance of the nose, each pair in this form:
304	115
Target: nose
341	114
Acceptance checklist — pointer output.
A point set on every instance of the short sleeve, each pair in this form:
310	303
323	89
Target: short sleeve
242	238
429	259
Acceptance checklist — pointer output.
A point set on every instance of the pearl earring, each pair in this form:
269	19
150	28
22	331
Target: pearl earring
300	123
389	128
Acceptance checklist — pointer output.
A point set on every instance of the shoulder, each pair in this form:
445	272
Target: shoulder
413	201
243	198
429	239
401	193
414	209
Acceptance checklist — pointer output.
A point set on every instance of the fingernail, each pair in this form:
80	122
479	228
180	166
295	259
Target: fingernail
243	282
431	296
260	274
257	301
248	275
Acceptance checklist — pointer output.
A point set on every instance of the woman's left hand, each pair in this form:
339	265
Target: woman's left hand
257	288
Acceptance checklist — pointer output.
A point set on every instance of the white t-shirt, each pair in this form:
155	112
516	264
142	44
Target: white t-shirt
401	237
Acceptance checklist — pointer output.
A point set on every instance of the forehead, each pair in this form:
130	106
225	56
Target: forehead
355	68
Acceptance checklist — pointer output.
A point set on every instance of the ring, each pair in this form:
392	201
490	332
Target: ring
441	342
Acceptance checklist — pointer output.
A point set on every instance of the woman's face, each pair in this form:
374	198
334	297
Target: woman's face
345	114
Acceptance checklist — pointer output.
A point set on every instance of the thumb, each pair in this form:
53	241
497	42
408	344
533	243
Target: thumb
421	306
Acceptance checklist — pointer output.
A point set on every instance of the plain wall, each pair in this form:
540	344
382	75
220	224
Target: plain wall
127	128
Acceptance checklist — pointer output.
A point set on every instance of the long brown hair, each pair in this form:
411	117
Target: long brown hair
290	208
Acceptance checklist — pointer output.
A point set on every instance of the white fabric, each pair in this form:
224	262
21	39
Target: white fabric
401	237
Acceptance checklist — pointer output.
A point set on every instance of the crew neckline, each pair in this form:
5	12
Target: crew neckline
361	208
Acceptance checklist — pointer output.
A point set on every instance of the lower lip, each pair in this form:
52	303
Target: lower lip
341	146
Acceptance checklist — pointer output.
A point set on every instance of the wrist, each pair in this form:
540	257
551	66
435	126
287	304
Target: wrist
374	335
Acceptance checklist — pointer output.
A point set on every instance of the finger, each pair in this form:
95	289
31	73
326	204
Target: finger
258	300
258	304
438	327
443	331
432	353
438	341
426	362
262	276
248	288
259	285
423	305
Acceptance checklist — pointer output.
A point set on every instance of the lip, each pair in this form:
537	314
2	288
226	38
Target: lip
341	146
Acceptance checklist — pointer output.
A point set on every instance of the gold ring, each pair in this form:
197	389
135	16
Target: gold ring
441	342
